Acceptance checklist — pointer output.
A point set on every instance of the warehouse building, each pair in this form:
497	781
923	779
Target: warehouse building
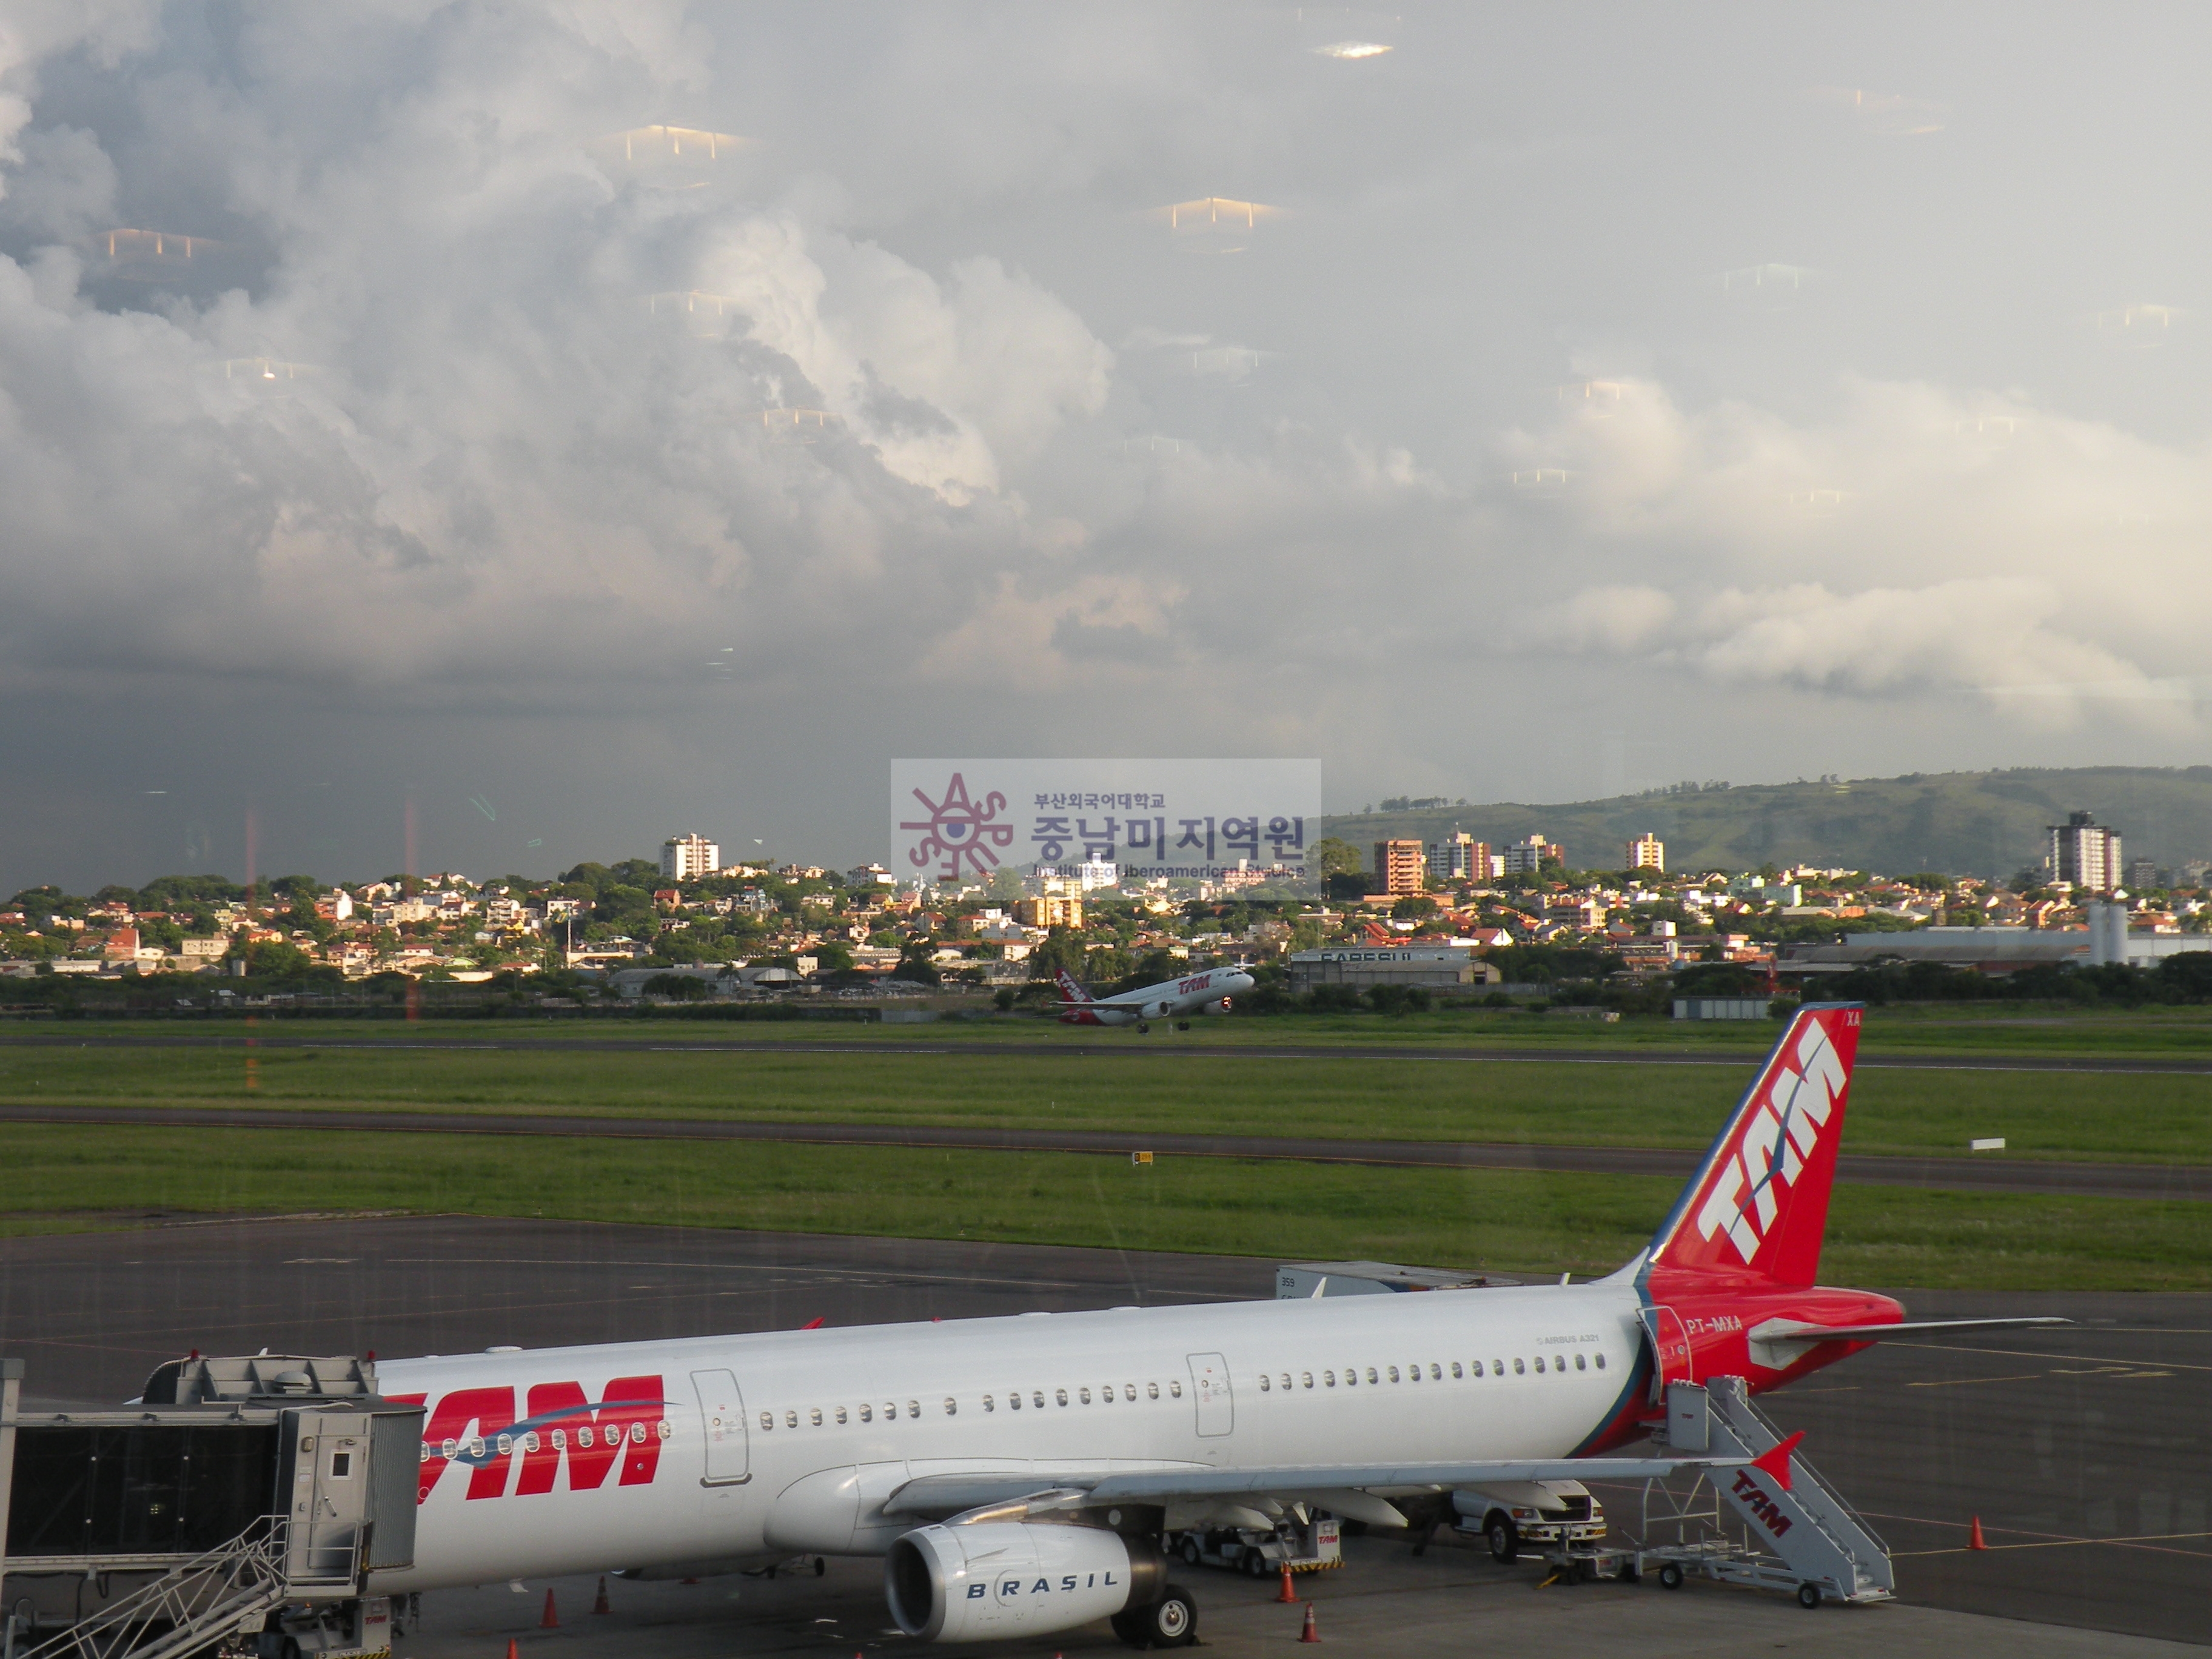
1433	967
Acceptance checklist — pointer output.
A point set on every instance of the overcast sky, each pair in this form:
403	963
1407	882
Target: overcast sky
1604	397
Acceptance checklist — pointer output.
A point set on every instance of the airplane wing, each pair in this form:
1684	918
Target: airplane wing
936	1496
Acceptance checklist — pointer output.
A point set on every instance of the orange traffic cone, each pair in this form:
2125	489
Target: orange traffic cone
1309	1633
1974	1540
600	1606
552	1620
511	1653
1289	1592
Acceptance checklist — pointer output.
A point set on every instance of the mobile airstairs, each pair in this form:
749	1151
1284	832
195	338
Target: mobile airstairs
1806	1540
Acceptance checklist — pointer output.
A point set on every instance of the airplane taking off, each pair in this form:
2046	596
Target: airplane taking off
1016	1474
1195	993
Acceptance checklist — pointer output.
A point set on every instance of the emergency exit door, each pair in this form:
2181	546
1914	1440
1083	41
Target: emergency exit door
1209	1387
722	1414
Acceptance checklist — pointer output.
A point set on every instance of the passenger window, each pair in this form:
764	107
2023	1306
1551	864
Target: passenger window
913	1408
1456	1372
1540	1365
891	1411
1497	1368
867	1413
561	1436
1328	1379
1175	1389
1582	1362
1393	1373
1520	1368
1306	1377
1013	1401
816	1414
791	1420
1351	1377
1287	1380
1263	1382
1037	1400
1151	1390
1600	1362
1476	1367
1083	1394
1060	1395
1370	1373
767	1421
1436	1373
951	1407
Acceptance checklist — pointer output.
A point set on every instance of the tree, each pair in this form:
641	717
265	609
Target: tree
1062	950
1331	856
1414	907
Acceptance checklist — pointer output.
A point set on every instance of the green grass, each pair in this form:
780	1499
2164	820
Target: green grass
69	1179
2117	1117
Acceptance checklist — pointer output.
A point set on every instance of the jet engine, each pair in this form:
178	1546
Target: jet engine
993	1580
1213	1006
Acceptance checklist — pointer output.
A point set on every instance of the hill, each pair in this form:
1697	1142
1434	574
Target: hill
1982	824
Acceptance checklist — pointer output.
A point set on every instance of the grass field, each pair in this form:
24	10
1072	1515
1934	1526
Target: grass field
2098	1117
66	1179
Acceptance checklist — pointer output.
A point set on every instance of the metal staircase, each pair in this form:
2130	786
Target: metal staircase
189	1608
1806	1538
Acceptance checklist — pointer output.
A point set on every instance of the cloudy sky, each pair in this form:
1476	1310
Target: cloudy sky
1594	398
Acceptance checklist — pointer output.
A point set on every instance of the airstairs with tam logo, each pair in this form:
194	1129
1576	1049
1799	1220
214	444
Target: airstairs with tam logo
1792	1530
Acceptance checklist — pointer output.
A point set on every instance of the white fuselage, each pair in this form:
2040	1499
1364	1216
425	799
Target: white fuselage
1168	1000
789	1442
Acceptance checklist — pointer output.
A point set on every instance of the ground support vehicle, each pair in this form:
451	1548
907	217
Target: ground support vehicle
1803	1538
1538	1517
1302	1540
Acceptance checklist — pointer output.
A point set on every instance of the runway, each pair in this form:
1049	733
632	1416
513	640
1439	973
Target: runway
2084	1450
1133	1044
2190	1183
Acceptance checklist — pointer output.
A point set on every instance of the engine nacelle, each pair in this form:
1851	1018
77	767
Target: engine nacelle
1005	1579
1213	1006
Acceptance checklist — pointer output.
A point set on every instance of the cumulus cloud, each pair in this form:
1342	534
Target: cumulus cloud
1918	540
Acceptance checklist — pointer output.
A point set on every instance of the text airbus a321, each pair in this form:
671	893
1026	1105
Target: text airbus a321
1018	1474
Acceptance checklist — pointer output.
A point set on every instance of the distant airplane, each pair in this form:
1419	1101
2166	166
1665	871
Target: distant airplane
1200	994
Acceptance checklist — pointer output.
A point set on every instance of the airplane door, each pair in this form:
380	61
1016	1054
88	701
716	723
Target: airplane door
1670	1348
722	1414
1209	1387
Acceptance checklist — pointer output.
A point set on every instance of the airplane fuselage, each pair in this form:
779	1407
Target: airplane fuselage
785	1443
1206	992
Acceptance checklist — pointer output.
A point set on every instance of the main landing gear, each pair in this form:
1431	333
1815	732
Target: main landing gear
1169	1622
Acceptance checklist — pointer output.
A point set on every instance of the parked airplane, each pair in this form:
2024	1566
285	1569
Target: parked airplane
1195	993
1017	1474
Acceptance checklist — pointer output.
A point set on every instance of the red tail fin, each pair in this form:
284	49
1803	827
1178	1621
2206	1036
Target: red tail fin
1760	1203
1070	988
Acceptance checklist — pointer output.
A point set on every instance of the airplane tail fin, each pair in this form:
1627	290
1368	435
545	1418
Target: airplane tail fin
1070	988
1758	1206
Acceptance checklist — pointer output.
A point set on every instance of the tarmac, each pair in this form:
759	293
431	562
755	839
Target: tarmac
2188	1183
2085	1450
1132	1044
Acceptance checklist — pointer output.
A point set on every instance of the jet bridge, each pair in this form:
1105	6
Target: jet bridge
234	1500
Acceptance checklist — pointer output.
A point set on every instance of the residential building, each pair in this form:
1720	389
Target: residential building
121	944
1050	910
203	950
686	858
1398	866
2143	872
1646	852
1528	857
337	905
2086	854
1458	857
1098	872
870	875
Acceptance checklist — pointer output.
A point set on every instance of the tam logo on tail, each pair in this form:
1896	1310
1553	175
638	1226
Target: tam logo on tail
1761	1201
1070	988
